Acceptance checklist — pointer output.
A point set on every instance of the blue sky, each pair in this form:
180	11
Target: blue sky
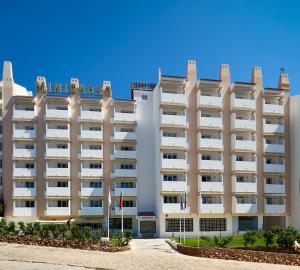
125	41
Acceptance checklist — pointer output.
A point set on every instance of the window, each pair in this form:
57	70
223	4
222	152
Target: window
95	147
96	184
95	165
212	224
170	156
62	146
115	223
127	148
1	180
205	136
206	178
62	203
29	184
169	134
128	204
206	157
62	165
268	160
126	130
126	167
171	199
95	128
29	127
96	203
29	146
127	185
62	127
29	204
29	165
172	224
239	158
62	184
144	97
170	177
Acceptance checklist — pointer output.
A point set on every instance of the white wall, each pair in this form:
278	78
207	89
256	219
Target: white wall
295	160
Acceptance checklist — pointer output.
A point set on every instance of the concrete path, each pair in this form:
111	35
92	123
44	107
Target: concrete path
145	254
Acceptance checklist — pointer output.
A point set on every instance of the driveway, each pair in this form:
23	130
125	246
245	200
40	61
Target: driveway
145	254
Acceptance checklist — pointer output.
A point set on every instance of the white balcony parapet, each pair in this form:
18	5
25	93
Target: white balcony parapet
210	122
176	164
91	115
124	154
91	211
57	211
239	103
58	172
173	98
273	128
90	191
124	173
59	114
91	153
124	136
173	208
23	114
211	143
211	207
177	120
243	124
244	166
174	186
58	191
24	134
124	117
24	211
174	142
274	208
58	133
243	208
243	187
244	145
24	172
125	192
127	211
273	109
274	188
24	153
57	152
24	192
210	165
274	148
274	168
87	172
91	134
209	101
211	186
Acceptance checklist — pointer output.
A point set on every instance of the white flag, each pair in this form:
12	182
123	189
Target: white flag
109	198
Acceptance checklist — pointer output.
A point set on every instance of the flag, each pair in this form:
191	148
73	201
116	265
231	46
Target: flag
185	201
181	203
109	198
121	201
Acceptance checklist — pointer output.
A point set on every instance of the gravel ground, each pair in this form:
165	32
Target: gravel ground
145	254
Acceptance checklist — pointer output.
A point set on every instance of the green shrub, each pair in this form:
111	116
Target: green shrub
37	230
3	226
249	237
269	236
11	227
286	237
222	241
87	233
29	229
21	227
76	233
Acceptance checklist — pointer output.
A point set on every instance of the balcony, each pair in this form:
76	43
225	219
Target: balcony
211	208
210	122
58	152
243	104
128	173
274	188
173	98
91	191
129	192
23	114
57	114
57	172
24	172
127	211
243	187
274	148
173	208
24	153
175	164
58	211
24	192
91	211
91	134
58	191
91	115
174	186
244	145
91	153
124	117
174	120
215	165
247	166
274	168
273	109
124	154
55	133
174	142
243	208
210	186
243	124
24	134
24	211
210	143
87	172
273	128
209	101
275	208
121	136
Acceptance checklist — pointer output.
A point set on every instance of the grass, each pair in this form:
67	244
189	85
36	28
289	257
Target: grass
237	241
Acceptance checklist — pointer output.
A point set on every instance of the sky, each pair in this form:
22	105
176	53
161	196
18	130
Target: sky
124	41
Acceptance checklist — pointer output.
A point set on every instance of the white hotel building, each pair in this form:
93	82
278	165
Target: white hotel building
226	145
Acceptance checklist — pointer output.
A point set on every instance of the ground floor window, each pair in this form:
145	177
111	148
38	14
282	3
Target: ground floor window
248	223
115	223
212	224
173	224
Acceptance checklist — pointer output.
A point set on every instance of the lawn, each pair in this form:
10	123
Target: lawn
237	241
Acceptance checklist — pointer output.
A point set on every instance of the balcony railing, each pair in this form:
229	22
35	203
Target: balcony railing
173	208
274	168
125	136
23	114
244	166
210	186
124	117
124	173
58	211
91	191
210	122
91	211
243	208
24	192
174	142
243	187
210	165
209	101
91	134
274	188
127	211
273	128
91	153
238	103
57	114
58	133
173	98
210	143
24	172
177	120
57	152
243	124
273	109
58	172
274	208
90	115
58	191
87	172
274	148
176	164
24	153
125	192
24	134
124	154
174	186
211	208
24	211
244	145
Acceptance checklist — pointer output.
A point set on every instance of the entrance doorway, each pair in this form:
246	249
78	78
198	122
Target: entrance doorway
148	228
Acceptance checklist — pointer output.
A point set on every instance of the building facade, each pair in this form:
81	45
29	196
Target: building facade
224	145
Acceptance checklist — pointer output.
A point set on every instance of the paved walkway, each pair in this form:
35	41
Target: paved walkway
145	254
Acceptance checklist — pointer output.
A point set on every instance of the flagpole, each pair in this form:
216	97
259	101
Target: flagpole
180	219
184	218
122	214
108	214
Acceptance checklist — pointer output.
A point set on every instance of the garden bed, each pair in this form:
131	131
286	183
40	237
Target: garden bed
62	243
284	256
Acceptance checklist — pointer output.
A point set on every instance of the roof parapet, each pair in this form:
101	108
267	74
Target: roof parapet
225	73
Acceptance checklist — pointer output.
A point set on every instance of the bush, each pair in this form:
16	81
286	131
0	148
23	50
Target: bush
269	236
287	237
87	233
249	237
3	226
37	230
28	229
222	241
21	227
76	233
11	227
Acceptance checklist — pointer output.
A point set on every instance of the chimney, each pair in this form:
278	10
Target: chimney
191	72
256	76
284	82
225	73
